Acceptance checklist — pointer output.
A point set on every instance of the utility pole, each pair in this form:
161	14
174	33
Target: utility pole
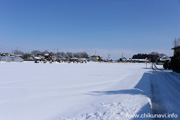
16	54
108	56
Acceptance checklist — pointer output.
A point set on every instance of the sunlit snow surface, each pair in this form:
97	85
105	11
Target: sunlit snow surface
94	91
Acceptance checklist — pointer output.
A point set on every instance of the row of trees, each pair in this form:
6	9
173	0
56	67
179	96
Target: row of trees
57	54
152	56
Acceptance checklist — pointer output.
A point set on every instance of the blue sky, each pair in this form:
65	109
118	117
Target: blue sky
105	26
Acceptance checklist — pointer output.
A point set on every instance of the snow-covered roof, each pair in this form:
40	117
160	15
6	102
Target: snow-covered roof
82	59
74	58
164	58
141	60
37	58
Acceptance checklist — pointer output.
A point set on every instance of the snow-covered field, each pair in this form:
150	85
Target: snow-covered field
95	91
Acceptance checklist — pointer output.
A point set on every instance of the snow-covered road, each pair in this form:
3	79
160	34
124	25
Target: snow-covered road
165	88
102	91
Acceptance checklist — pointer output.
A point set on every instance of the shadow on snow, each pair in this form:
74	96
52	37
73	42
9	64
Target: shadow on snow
139	89
151	85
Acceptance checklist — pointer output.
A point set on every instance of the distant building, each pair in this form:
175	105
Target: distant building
123	59
37	58
5	59
140	60
16	59
96	58
41	56
82	60
11	59
162	60
176	49
73	59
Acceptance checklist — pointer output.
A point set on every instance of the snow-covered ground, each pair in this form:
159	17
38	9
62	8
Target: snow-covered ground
94	91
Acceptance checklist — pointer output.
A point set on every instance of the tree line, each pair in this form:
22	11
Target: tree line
152	56
57	54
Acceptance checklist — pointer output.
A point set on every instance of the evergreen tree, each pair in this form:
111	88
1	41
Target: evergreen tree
175	62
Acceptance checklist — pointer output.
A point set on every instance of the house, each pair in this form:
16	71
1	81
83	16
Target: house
41	56
96	58
162	60
17	59
176	49
140	60
37	58
73	59
6	59
123	59
11	59
46	55
82	60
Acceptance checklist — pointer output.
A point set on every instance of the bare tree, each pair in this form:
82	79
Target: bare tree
154	53
162	54
69	54
26	56
77	55
175	43
52	53
45	52
18	52
62	54
83	55
59	54
35	52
